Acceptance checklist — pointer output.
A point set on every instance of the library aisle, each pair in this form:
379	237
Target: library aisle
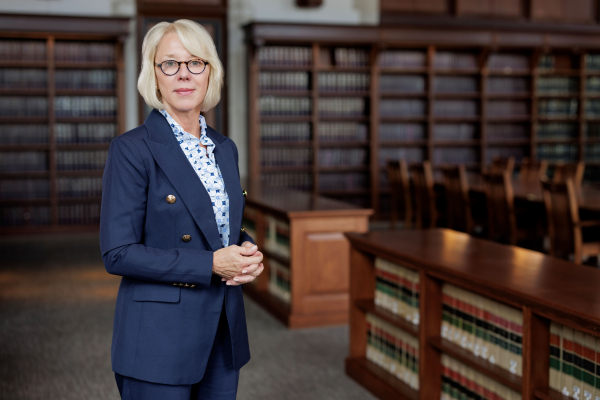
56	314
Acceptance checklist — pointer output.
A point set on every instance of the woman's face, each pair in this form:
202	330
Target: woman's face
184	91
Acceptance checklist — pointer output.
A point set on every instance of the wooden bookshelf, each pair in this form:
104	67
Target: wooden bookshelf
73	68
446	95
303	235
540	288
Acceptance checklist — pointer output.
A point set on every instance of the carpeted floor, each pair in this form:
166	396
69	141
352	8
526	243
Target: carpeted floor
56	310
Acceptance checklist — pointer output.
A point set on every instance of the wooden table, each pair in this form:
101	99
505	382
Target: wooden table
544	288
317	256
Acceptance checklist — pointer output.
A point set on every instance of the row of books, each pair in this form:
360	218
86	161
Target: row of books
508	131
592	62
92	79
490	330
557	130
574	362
558	85
23	134
510	62
341	107
505	152
84	133
22	50
559	108
79	214
406	131
454	132
455	155
284	106
342	157
279	282
591	152
461	382
592	108
546	62
284	56
558	152
402	108
24	161
455	84
24	189
343	181
20	216
79	187
293	180
285	81
459	61
23	78
393	350
397	290
13	106
507	108
277	236
342	132
85	106
344	82
402	59
508	84
286	157
408	154
402	83
84	52
81	160
593	84
455	108
350	57
285	132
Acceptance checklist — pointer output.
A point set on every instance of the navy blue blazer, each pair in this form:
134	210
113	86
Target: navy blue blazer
164	332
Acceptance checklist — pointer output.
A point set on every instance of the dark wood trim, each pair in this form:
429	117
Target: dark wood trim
41	24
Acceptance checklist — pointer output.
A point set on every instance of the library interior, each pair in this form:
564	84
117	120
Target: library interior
422	178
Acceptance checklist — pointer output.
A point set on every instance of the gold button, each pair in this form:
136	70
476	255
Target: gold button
175	284
245	193
186	238
243	230
187	285
192	286
181	284
171	199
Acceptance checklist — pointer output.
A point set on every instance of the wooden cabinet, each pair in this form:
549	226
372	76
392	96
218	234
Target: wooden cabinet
571	11
306	276
490	8
423	6
539	296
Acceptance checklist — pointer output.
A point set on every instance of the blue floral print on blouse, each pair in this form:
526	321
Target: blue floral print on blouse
203	162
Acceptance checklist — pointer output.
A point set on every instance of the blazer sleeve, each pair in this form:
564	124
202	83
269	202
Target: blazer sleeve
122	219
244	237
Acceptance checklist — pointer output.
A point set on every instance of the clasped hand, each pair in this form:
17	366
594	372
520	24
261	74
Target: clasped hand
238	264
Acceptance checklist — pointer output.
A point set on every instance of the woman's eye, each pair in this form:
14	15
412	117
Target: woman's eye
195	63
170	63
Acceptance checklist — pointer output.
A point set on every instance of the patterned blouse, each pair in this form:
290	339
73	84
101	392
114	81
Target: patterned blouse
203	162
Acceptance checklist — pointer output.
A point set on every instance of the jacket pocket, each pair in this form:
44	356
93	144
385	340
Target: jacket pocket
160	292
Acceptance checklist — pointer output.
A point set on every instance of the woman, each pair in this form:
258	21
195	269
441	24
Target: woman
171	220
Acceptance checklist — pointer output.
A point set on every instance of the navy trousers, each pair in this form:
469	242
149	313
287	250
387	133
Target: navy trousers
220	380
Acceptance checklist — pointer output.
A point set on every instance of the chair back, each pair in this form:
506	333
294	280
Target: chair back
499	196
573	171
425	208
457	199
532	171
562	212
397	171
500	164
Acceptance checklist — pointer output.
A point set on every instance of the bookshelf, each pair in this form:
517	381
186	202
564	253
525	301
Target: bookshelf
305	281
61	103
496	320
328	105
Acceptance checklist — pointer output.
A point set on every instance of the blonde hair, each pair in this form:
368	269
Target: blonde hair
197	41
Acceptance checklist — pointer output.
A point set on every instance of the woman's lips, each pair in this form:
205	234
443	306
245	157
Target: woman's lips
184	92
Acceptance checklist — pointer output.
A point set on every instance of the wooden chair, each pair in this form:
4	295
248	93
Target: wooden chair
532	171
397	171
425	208
573	171
457	199
564	225
500	164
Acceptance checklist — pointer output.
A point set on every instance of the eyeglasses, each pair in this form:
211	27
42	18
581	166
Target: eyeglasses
171	67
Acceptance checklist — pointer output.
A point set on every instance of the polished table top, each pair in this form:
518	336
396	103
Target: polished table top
527	276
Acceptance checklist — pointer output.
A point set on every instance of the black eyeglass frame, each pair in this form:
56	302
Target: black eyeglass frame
179	66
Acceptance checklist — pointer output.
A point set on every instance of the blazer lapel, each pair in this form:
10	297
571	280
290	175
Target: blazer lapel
173	162
226	162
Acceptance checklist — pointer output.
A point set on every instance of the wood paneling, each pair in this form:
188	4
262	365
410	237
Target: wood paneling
426	6
327	258
490	8
572	11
